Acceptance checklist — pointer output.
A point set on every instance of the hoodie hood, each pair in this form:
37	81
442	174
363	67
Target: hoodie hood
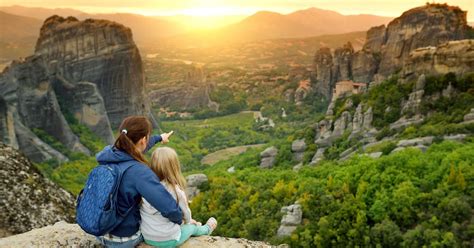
111	155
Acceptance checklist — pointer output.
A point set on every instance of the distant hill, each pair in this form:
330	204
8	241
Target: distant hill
265	25
22	27
303	23
40	13
18	35
144	28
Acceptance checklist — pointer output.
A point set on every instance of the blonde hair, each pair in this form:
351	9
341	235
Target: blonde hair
165	164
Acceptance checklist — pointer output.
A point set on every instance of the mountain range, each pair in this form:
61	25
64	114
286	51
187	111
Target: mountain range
19	28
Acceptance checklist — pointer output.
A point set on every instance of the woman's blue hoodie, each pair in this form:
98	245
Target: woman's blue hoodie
139	180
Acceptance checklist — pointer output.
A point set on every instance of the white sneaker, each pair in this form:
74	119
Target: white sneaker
212	224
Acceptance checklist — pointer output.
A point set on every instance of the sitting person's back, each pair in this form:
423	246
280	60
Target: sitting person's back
158	230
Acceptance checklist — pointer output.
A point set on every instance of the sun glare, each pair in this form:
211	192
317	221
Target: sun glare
213	11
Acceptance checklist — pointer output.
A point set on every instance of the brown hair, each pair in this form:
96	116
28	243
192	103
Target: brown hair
165	164
133	129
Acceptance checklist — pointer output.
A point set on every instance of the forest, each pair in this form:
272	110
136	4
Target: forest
406	199
403	199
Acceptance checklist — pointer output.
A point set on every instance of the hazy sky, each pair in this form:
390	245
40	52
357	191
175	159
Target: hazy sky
236	7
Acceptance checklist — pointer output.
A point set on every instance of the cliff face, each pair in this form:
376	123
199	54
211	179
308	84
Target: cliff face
330	68
387	49
429	25
28	199
97	51
89	69
453	56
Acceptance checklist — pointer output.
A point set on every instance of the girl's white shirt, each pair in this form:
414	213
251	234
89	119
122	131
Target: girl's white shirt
158	228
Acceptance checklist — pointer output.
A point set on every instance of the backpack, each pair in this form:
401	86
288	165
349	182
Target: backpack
96	210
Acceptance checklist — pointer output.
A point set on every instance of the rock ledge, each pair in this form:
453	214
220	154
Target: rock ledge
63	234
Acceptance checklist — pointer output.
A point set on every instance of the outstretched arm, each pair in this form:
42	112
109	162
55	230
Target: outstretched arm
163	138
152	142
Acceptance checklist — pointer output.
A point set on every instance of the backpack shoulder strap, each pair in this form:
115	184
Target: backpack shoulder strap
121	173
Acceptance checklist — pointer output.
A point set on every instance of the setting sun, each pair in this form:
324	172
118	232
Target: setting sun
209	11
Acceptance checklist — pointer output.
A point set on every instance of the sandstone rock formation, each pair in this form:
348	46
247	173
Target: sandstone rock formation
268	157
429	25
453	56
469	117
194	181
393	48
298	147
412	105
417	141
90	70
33	104
359	126
290	221
63	234
29	200
330	69
87	106
97	51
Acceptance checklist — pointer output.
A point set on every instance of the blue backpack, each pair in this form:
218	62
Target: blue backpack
96	210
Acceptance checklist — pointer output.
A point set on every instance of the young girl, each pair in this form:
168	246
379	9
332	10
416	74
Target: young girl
158	230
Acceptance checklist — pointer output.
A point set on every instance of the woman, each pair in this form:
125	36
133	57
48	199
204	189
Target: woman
137	182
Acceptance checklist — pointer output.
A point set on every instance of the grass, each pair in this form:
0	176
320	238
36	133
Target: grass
194	139
225	154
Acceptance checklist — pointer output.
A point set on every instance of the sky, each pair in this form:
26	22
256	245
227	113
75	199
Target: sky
391	8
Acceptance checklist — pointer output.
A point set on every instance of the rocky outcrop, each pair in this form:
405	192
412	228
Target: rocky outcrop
7	128
418	141
290	221
33	104
298	147
63	234
84	101
268	157
33	147
330	68
375	39
423	41
453	56
342	62
89	69
412	105
193	182
406	121
364	66
97	51
408	43
358	126
218	242
469	117
323	63
318	156
429	25
29	200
